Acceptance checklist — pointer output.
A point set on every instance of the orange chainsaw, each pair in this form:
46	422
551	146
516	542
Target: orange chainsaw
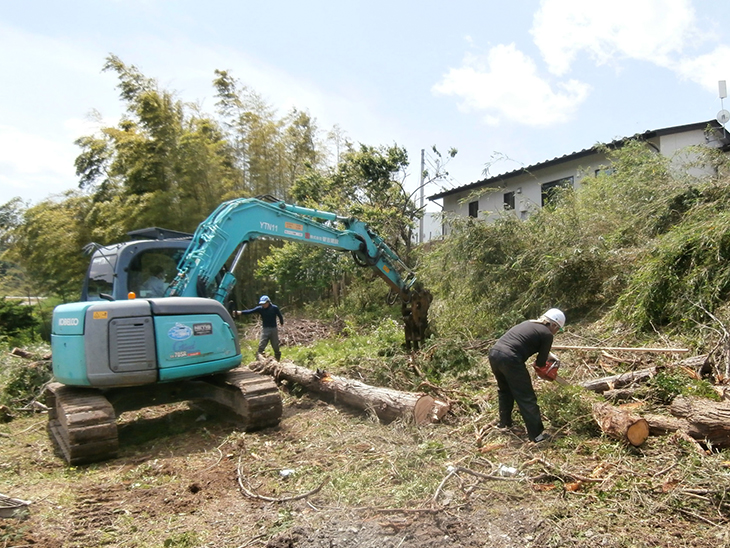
550	371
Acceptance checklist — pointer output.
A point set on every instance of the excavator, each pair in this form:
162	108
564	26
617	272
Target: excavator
125	346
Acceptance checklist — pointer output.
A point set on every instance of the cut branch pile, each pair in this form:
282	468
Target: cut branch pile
386	403
295	331
698	420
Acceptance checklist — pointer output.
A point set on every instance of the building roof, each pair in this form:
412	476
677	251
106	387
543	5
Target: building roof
574	156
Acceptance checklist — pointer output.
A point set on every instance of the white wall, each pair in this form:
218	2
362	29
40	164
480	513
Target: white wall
432	229
528	186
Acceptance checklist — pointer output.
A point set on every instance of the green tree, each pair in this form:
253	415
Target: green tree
15	318
165	160
48	245
11	275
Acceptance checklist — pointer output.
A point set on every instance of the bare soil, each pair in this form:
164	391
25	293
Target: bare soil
188	476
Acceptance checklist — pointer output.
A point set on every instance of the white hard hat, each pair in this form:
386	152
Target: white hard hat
556	316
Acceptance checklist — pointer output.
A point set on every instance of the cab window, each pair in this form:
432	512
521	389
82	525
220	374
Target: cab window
152	271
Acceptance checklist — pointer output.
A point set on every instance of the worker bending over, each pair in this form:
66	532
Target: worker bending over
507	359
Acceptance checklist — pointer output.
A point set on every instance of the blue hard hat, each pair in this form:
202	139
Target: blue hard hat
264	299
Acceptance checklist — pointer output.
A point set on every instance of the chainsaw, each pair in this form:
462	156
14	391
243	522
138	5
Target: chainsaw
550	371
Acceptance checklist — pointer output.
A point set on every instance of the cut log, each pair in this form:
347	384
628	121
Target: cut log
21	353
619	381
710	419
664	424
621	424
386	403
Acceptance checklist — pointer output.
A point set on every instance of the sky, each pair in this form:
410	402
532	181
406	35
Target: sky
508	84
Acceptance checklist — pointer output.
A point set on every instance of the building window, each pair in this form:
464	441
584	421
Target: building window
549	189
605	171
473	209
509	200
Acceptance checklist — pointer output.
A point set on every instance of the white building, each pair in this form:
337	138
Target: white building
432	228
527	189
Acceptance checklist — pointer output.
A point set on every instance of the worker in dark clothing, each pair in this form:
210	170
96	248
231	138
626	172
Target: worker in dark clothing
269	332
507	359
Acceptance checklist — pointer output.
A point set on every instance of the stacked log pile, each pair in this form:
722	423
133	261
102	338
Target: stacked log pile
702	421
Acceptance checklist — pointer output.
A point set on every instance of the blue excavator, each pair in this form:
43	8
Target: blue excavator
130	344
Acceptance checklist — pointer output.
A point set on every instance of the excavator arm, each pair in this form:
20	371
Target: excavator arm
227	231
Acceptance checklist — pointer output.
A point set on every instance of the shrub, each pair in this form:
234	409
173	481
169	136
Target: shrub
22	382
15	317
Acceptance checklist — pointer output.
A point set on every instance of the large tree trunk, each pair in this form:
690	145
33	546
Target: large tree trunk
386	403
704	420
621	424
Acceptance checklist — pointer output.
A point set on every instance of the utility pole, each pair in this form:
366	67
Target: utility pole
420	229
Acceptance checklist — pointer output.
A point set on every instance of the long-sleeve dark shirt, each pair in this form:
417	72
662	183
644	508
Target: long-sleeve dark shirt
268	314
526	339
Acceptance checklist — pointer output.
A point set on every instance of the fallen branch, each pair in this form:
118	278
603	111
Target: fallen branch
693	442
560	473
253	495
621	348
619	381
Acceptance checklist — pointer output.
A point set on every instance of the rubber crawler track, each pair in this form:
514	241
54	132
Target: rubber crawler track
82	421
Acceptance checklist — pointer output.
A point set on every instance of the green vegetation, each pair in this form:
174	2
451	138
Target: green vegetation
636	256
643	249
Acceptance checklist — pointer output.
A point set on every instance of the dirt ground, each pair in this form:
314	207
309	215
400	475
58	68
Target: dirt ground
188	476
183	489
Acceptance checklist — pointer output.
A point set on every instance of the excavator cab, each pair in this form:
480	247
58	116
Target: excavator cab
116	270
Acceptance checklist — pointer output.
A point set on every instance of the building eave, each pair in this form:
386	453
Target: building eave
505	177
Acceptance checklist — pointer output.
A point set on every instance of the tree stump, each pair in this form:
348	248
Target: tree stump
386	403
620	424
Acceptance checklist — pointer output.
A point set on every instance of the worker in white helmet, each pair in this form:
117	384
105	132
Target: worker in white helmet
507	359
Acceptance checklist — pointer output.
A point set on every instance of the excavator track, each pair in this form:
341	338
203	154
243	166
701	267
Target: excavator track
255	397
82	421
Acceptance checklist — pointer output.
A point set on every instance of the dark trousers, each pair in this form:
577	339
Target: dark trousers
515	385
270	335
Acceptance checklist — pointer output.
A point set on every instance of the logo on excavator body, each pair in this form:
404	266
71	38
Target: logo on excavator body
203	328
180	332
68	321
268	226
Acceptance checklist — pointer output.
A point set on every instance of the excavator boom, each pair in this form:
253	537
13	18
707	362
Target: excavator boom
235	223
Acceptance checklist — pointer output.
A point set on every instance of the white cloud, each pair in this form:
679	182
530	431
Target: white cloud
707	69
649	30
29	153
505	84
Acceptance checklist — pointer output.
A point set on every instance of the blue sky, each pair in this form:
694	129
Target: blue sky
508	84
